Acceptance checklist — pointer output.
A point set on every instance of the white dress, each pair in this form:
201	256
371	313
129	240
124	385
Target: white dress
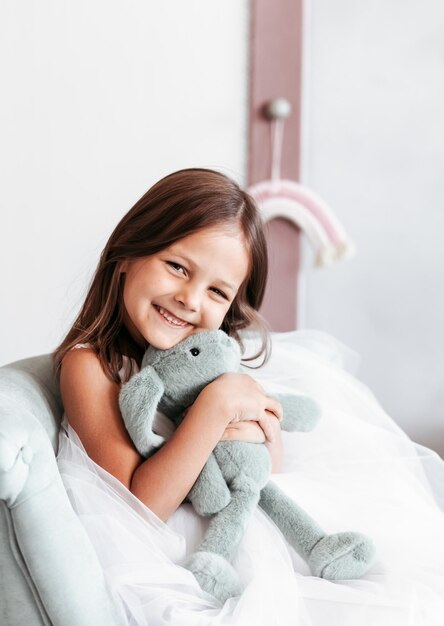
356	471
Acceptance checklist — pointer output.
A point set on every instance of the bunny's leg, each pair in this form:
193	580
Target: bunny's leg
335	557
210	493
210	563
298	528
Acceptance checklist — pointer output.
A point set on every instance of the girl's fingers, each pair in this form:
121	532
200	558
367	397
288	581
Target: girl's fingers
249	432
268	424
274	407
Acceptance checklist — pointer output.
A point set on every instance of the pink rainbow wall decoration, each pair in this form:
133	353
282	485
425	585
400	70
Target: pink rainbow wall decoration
279	197
306	210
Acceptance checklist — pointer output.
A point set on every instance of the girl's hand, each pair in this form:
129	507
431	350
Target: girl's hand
252	432
241	399
249	432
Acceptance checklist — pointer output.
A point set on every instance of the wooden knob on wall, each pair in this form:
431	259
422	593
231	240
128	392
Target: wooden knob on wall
278	109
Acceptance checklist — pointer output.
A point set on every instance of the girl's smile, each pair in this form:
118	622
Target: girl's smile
185	288
170	319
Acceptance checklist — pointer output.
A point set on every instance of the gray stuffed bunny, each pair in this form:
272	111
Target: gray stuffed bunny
236	476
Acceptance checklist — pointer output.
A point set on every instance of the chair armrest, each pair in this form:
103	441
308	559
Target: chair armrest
55	548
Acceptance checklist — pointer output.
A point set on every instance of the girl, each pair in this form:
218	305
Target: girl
189	256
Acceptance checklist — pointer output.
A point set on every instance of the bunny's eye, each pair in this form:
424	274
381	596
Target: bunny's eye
194	351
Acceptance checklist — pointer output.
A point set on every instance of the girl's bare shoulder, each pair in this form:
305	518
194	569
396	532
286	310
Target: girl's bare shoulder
80	357
91	403
89	397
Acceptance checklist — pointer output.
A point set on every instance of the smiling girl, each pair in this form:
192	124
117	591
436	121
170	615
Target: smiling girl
189	256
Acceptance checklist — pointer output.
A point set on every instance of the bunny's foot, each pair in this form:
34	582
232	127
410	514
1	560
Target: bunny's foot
342	556
214	574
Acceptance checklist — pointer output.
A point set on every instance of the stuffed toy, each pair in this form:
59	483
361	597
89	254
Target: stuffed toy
236	476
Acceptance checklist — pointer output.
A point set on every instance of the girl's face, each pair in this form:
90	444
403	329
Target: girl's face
186	288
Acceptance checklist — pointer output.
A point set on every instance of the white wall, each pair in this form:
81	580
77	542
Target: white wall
101	99
374	149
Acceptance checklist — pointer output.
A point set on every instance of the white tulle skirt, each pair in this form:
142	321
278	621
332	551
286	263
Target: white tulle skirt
356	471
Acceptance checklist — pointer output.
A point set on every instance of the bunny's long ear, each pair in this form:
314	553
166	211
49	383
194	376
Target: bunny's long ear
300	412
138	402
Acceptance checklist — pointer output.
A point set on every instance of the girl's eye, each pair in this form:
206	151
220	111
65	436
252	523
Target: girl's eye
219	292
176	266
179	268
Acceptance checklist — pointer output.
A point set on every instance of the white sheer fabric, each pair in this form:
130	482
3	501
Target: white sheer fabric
356	471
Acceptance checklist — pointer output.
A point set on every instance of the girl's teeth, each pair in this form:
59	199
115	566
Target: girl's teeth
173	320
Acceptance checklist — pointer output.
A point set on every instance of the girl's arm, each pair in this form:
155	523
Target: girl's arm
162	482
91	405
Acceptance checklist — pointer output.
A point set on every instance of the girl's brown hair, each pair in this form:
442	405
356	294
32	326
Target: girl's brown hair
177	206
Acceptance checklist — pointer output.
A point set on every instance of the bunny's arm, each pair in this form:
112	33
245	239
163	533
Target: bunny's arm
138	402
301	413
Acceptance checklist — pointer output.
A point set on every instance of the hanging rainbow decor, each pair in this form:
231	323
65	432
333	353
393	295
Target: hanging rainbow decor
305	209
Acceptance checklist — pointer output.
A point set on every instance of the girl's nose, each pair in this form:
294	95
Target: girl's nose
190	297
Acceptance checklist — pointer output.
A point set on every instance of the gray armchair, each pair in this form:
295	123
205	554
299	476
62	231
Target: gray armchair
49	572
